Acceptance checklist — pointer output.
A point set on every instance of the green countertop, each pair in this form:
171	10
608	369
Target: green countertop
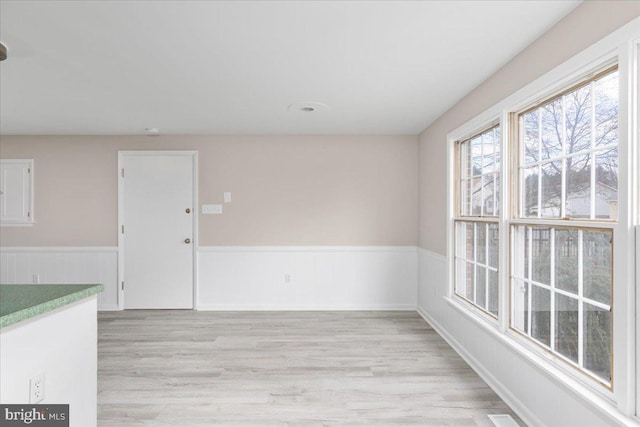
21	302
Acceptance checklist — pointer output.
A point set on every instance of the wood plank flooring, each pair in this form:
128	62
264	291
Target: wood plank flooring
198	368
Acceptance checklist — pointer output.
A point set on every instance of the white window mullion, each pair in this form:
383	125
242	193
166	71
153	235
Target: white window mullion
539	214
486	270
530	278
580	303
592	156
496	170
563	167
592	192
475	261
552	294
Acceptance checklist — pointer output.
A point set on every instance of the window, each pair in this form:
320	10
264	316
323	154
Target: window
556	228
561	293
561	275
476	228
569	153
16	203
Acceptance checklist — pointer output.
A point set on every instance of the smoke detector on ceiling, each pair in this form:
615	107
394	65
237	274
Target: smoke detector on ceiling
307	107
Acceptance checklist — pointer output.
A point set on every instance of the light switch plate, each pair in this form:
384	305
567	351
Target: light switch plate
227	196
211	209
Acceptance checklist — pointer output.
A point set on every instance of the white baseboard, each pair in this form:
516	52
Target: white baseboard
109	307
217	307
505	394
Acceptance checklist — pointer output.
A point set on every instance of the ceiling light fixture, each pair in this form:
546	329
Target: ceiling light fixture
307	107
3	52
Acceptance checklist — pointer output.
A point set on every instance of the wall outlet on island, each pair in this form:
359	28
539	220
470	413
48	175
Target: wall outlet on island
287	278
36	389
35	278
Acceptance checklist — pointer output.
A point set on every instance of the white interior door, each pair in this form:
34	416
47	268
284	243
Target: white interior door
157	233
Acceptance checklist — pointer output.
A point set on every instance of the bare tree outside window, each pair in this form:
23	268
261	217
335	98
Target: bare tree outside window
570	153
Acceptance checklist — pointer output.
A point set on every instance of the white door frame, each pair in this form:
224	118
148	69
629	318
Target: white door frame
121	270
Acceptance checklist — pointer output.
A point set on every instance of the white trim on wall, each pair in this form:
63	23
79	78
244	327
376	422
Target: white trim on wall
204	249
63	265
246	277
79	249
320	278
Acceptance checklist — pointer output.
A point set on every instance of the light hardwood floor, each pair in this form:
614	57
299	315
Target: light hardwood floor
195	368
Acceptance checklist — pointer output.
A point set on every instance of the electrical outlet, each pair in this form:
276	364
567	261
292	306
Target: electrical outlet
287	278
36	389
36	278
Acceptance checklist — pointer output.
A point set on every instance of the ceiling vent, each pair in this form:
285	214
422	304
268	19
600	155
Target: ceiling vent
307	107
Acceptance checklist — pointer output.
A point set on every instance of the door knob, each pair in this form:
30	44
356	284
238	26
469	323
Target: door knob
187	210
187	241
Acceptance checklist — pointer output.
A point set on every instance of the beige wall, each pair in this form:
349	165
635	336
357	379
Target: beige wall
286	190
588	23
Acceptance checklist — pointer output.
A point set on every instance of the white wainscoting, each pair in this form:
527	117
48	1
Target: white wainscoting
72	265
321	278
532	391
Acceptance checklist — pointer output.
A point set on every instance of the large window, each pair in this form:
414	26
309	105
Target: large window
561	275
476	229
558	223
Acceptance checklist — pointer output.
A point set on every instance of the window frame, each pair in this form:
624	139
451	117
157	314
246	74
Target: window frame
519	155
621	47
489	219
518	217
531	341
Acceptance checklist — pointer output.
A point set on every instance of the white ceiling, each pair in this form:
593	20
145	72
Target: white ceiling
188	67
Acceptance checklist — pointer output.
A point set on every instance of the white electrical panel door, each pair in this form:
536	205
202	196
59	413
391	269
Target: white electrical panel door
16	180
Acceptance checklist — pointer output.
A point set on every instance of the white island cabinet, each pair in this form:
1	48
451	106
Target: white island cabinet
48	333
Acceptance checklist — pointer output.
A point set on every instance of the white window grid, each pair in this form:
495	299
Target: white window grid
517	277
592	152
461	261
467	178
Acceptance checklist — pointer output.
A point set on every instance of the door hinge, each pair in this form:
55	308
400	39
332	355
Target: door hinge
29	214
122	172
28	170
122	228
122	285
